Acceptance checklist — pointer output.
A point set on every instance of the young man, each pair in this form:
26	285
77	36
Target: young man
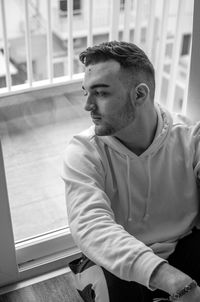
132	186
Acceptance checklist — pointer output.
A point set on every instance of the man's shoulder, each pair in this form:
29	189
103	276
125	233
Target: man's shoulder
175	117
183	121
83	144
85	137
87	134
181	125
185	128
83	152
180	119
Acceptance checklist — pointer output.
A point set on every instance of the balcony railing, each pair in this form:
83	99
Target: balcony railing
146	23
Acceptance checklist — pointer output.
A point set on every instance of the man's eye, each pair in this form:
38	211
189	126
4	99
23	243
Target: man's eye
100	93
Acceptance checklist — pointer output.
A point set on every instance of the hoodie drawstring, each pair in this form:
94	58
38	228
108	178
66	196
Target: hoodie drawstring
146	212
129	189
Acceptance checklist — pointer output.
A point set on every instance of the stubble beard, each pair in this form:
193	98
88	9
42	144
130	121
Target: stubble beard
119	121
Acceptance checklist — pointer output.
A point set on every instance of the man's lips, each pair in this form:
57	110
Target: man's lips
95	117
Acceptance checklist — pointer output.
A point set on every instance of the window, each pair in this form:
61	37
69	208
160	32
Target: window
186	44
122	4
41	110
76	7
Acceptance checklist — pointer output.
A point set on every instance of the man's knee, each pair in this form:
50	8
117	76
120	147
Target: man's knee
96	284
89	280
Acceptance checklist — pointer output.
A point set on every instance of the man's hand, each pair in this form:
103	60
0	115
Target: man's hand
171	280
192	296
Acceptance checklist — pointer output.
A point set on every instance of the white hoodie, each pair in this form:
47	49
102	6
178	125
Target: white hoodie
126	212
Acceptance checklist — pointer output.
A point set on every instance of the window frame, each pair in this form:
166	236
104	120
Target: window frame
193	106
43	245
8	266
43	253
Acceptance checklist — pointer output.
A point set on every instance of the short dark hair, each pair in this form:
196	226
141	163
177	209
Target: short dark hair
129	55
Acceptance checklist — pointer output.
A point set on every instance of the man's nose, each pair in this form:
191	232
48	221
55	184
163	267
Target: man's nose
90	104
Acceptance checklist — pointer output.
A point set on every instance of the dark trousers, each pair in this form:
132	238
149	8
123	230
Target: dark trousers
95	284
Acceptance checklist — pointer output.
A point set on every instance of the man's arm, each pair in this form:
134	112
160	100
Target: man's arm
92	220
172	280
98	235
165	276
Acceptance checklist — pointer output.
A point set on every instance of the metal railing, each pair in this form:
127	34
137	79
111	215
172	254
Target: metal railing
154	23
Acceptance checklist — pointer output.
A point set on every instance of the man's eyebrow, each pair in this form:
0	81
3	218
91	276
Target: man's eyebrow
97	86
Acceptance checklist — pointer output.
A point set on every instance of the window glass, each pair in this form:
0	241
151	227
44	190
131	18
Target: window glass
176	55
36	126
76	6
34	132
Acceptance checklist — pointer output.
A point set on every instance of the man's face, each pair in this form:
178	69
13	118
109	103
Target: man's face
108	97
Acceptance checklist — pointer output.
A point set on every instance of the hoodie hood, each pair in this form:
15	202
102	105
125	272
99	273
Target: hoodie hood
163	128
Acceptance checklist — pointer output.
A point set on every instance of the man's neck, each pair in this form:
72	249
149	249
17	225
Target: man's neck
138	136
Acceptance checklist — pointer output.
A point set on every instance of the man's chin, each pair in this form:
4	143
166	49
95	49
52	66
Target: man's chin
103	131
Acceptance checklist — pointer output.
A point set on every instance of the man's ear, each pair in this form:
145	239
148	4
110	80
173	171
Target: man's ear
141	93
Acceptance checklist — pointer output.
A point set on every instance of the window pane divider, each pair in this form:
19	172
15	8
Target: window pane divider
8	263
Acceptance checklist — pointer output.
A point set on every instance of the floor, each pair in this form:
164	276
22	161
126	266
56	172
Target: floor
57	289
34	135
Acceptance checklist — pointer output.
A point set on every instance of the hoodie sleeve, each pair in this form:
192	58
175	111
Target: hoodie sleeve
92	221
